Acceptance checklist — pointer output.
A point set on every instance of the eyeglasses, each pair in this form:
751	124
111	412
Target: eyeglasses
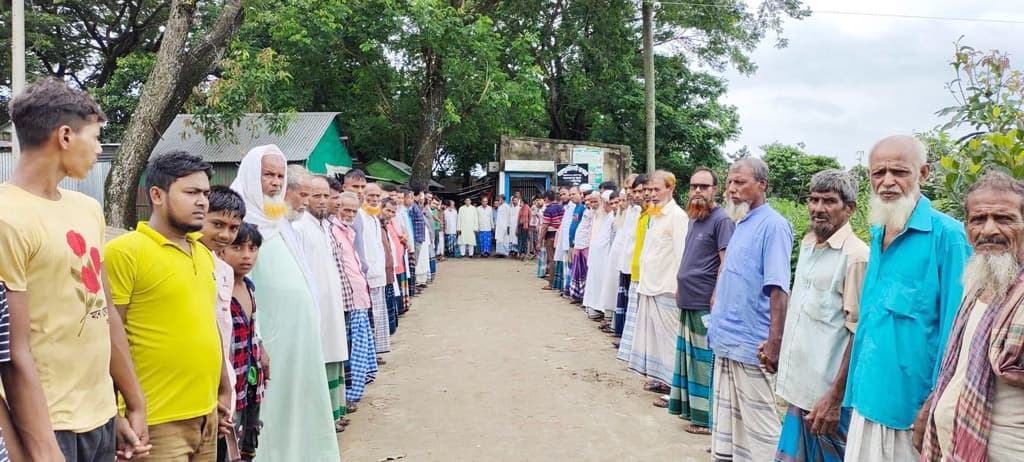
701	187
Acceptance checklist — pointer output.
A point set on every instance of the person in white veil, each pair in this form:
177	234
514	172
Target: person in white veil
296	409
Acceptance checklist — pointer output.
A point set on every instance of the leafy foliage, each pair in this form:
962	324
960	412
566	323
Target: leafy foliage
989	97
790	170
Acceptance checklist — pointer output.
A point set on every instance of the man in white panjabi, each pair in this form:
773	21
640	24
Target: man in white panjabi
468	226
504	227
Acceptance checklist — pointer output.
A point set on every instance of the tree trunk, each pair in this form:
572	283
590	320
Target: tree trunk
432	95
181	64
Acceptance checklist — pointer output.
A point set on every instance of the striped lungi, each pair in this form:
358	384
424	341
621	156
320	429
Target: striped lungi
559	275
567	279
381	337
691	382
579	274
336	388
798	444
629	328
363	360
542	264
392	302
746	424
621	300
654	340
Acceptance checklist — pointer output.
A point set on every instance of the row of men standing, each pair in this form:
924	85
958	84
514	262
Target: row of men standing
150	345
854	340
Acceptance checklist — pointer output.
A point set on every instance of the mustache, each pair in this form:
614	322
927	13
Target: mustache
992	240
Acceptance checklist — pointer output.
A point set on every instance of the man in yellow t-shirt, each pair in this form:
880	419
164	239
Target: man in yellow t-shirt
162	281
68	352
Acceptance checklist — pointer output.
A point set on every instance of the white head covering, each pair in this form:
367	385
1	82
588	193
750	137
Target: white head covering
607	195
249	185
586	188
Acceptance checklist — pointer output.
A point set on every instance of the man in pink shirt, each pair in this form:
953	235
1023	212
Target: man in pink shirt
363	357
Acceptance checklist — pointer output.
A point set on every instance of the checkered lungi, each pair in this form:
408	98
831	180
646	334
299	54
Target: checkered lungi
392	302
363	361
381	337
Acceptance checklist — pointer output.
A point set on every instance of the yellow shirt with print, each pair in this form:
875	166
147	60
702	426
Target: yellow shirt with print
51	249
171	323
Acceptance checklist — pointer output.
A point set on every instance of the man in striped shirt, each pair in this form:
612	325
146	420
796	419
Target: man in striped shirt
552	220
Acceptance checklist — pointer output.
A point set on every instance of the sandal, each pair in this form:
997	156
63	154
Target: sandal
660	402
608	330
657	387
351	407
698	430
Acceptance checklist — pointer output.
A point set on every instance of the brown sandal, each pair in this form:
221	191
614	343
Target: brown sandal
698	430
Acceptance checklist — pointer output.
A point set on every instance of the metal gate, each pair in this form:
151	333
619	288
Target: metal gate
527	185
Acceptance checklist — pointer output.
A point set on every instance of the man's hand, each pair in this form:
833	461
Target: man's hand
224	420
824	417
921	423
768	354
265	364
129	443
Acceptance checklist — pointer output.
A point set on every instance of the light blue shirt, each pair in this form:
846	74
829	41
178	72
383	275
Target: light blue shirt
911	294
757	259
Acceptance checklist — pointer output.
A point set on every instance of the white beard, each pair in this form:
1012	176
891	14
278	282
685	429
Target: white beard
737	211
293	215
895	214
991	272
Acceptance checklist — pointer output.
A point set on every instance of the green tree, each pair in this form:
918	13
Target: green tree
989	97
790	170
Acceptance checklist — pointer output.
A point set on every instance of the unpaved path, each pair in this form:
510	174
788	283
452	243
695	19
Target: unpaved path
487	367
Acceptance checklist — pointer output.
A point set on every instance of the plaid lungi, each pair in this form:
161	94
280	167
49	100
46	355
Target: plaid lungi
391	300
485	242
798	444
404	288
363	361
579	274
450	246
542	267
629	329
559	272
567	279
336	388
690	397
381	337
619	320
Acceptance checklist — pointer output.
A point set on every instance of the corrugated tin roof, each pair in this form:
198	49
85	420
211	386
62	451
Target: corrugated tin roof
304	132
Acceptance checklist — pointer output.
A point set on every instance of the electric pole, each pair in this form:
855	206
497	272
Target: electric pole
17	61
648	33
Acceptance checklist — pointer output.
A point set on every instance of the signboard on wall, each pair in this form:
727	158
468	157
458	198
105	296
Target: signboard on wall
572	174
593	157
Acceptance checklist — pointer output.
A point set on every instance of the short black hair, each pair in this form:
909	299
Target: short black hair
388	187
550	195
640	180
608	186
388	201
225	199
166	168
354	174
249	232
48	104
714	177
335	185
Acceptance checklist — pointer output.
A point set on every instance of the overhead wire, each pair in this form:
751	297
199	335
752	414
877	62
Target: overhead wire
863	13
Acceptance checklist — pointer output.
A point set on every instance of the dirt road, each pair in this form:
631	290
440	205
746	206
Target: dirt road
487	367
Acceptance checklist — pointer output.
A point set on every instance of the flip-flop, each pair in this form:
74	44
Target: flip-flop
352	407
660	402
698	430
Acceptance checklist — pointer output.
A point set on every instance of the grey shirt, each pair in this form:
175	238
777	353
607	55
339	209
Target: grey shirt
698	270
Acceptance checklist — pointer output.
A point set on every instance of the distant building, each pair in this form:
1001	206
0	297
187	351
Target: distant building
393	171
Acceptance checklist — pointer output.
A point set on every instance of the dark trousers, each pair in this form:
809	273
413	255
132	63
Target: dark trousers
96	445
549	249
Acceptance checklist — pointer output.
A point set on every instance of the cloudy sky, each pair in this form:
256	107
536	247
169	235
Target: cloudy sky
845	81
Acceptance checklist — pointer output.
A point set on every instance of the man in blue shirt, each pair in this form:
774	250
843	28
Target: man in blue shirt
747	318
911	293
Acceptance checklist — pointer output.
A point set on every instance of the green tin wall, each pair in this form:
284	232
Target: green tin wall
330	150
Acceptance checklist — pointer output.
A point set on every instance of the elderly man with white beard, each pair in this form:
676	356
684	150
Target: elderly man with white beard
977	399
910	296
296	409
332	287
747	319
297	196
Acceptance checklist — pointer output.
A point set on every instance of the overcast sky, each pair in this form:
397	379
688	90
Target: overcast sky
846	81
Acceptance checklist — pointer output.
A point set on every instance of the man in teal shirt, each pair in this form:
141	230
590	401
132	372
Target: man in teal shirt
910	296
